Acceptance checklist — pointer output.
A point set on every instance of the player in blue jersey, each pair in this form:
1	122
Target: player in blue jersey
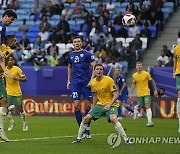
7	19
123	91
79	78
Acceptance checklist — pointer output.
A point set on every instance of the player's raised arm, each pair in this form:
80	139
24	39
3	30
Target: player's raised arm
69	75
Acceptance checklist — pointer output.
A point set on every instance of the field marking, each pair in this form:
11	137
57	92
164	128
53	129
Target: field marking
50	137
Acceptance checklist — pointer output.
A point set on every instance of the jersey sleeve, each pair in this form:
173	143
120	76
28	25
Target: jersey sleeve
92	87
20	72
149	76
123	79
112	85
90	57
133	79
69	58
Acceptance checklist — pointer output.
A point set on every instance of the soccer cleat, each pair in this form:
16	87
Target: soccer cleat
127	142
119	118
135	114
3	135
25	126
88	134
11	126
77	141
10	108
150	124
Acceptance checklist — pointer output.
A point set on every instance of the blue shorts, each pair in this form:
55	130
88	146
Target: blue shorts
78	89
124	97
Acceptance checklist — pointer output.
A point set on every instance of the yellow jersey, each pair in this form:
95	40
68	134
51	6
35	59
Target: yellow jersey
141	80
104	90
12	86
177	56
7	51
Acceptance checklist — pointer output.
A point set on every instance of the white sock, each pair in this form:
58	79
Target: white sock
149	115
23	116
9	115
120	130
178	109
1	118
3	110
82	128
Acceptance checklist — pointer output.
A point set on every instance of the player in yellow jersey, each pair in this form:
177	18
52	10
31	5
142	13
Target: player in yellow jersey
140	80
6	49
14	93
176	74
104	103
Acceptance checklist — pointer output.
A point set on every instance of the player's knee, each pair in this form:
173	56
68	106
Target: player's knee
147	106
113	119
88	104
87	119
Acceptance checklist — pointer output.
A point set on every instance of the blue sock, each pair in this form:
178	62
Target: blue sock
88	126
119	111
129	109
78	116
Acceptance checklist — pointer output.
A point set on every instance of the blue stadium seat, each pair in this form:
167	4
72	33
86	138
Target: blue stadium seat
117	28
19	34
22	11
121	9
55	17
79	21
91	9
75	28
153	31
117	4
124	4
94	5
72	22
169	5
34	29
87	5
30	22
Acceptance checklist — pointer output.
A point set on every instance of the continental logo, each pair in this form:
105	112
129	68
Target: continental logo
49	107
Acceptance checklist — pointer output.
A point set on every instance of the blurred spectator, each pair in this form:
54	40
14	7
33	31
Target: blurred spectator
24	27
86	26
44	35
71	36
44	24
96	36
63	37
14	4
40	59
99	8
107	36
146	33
140	21
53	48
146	5
136	47
53	35
178	39
47	9
93	29
25	42
163	58
113	53
36	11
66	12
133	31
78	8
110	7
4	4
111	29
170	62
53	60
160	63
63	60
63	24
57	7
160	17
115	64
18	54
161	92
118	19
152	20
100	54
167	51
38	45
122	32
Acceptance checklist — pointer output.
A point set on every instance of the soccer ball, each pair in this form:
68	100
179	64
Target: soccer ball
129	20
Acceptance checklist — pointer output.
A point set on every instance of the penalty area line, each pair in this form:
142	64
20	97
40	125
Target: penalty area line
50	137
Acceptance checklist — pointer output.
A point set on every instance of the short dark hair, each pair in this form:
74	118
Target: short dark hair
8	38
10	13
98	65
77	37
138	62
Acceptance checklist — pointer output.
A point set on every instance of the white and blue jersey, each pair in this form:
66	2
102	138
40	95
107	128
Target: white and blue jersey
2	31
81	75
120	80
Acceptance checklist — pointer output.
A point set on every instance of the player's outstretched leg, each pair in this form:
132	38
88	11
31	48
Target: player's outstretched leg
12	123
149	117
178	112
25	125
2	115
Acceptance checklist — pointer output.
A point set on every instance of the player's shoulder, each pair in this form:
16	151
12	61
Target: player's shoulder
107	78
16	68
177	47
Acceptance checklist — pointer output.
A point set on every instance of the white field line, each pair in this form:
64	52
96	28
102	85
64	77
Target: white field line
50	137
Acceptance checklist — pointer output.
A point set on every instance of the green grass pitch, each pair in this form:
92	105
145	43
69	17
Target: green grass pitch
53	135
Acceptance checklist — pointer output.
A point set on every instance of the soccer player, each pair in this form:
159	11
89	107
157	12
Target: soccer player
7	19
123	90
141	79
104	103
176	74
14	93
79	77
6	49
